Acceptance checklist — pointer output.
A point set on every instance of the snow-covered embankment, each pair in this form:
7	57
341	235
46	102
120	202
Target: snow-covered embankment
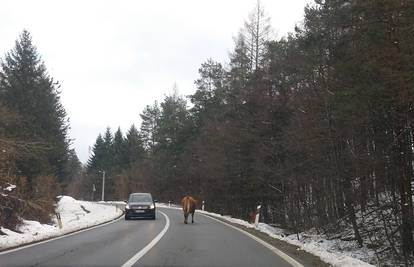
75	215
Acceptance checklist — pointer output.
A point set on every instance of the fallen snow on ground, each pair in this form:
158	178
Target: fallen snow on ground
10	187
334	252
75	215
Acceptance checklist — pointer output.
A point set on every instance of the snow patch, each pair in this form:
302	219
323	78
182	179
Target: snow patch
10	187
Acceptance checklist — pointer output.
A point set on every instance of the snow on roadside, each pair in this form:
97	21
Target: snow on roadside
334	252
75	215
328	250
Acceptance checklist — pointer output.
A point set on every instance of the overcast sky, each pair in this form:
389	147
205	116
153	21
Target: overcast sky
114	57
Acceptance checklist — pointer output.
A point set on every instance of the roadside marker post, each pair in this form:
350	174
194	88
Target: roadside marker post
59	220
256	219
202	206
93	192
103	185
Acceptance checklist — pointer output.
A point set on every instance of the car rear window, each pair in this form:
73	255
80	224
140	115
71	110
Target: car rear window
140	198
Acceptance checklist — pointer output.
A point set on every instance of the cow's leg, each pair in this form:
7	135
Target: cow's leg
192	217
185	217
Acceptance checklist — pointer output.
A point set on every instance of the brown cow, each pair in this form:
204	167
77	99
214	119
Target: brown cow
189	205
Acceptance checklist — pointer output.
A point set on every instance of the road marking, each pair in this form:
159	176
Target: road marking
150	245
59	237
281	254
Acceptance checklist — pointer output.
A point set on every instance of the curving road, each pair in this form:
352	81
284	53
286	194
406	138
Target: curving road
167	241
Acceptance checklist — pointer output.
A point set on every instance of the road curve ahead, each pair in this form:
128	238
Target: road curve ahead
166	241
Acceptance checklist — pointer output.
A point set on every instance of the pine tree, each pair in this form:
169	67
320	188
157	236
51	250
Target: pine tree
240	64
210	90
173	119
149	127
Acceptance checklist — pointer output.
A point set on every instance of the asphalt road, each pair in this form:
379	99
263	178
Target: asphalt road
167	241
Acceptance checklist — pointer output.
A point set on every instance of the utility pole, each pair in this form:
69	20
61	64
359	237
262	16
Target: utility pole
103	185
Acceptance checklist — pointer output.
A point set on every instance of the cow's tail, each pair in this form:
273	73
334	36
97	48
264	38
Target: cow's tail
184	204
188	206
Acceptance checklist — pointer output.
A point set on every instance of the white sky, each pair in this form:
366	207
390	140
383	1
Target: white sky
114	57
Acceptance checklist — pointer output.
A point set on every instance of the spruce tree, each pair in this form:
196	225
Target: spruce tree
134	146
119	150
96	161
28	90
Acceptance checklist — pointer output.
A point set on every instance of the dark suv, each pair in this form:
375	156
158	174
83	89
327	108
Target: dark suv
140	205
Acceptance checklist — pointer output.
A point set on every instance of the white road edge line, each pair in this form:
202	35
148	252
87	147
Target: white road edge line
150	245
281	254
59	237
